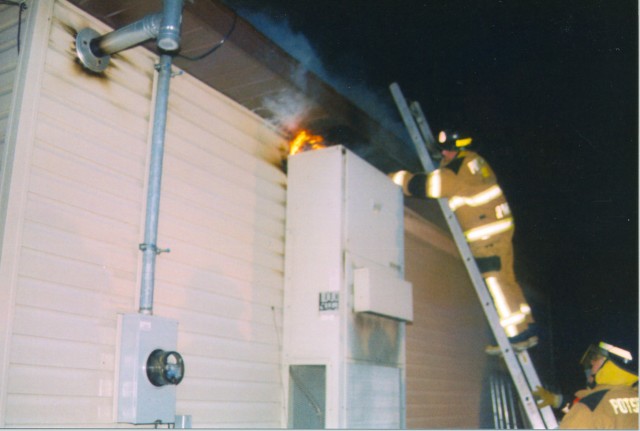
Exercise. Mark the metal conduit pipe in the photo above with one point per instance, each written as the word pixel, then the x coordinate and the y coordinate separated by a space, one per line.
pixel 93 51
pixel 170 33
pixel 149 247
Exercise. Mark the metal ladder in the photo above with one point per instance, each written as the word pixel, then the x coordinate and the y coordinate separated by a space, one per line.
pixel 519 364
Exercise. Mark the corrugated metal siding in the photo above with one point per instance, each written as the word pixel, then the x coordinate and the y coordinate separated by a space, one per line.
pixel 222 215
pixel 445 342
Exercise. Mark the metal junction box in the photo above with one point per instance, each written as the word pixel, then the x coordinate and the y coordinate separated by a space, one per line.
pixel 346 300
pixel 139 401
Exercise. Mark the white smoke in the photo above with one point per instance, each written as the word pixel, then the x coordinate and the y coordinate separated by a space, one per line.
pixel 289 107
pixel 295 44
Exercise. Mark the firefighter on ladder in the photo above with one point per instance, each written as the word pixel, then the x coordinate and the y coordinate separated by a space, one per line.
pixel 467 180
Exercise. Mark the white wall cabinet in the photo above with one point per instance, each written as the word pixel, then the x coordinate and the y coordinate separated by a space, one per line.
pixel 344 222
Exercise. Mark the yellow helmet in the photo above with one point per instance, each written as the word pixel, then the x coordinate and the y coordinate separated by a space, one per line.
pixel 619 368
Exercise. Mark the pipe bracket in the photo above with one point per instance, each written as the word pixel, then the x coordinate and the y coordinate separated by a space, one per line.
pixel 178 72
pixel 156 250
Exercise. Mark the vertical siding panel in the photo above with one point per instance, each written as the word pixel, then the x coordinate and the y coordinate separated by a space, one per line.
pixel 22 74
pixel 445 348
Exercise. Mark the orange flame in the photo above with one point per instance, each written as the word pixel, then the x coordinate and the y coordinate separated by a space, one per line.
pixel 305 141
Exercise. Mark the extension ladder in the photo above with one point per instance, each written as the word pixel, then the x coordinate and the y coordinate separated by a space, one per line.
pixel 519 364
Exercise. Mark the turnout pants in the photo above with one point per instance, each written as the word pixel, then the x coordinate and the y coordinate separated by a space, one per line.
pixel 494 257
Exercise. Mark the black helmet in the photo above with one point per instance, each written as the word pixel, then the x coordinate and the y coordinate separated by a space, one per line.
pixel 453 140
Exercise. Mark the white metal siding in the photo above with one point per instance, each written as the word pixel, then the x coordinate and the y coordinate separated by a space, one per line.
pixel 445 342
pixel 222 215
pixel 8 62
pixel 9 17
pixel 78 260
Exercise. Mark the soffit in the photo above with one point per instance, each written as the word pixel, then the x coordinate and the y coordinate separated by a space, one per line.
pixel 254 71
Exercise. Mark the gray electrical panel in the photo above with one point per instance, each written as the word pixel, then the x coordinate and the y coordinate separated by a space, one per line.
pixel 142 400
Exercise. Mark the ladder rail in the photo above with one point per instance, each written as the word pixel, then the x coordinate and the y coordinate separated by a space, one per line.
pixel 515 363
pixel 534 381
pixel 427 136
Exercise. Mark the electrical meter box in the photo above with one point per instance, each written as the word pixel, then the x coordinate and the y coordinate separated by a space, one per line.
pixel 346 301
pixel 148 369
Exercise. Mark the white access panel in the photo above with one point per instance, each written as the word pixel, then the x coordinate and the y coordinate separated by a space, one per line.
pixel 373 215
pixel 344 217
pixel 376 291
pixel 374 396
pixel 313 256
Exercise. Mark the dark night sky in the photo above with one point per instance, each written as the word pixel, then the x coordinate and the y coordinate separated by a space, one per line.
pixel 549 89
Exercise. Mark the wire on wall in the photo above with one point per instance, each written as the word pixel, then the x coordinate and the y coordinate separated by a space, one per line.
pixel 216 46
pixel 22 7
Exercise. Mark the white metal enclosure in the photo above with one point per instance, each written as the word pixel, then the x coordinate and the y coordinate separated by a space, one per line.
pixel 344 217
pixel 70 260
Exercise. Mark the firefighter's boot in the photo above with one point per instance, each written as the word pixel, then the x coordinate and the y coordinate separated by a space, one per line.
pixel 519 343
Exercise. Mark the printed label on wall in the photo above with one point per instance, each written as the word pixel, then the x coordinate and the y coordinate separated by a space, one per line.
pixel 329 301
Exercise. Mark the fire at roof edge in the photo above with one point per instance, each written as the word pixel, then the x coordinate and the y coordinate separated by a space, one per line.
pixel 251 69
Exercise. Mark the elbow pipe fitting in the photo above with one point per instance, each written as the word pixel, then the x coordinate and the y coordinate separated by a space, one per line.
pixel 94 51
pixel 169 33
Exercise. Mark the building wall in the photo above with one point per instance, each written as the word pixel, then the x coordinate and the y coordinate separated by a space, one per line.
pixel 9 43
pixel 446 340
pixel 74 216
pixel 76 213
pixel 8 62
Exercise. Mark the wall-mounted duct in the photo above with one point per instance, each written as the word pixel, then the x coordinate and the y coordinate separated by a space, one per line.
pixel 94 50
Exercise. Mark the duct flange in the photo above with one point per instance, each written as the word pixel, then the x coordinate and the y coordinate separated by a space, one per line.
pixel 86 53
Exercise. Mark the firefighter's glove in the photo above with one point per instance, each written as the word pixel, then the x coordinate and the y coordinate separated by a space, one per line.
pixel 546 398
pixel 399 177
pixel 402 179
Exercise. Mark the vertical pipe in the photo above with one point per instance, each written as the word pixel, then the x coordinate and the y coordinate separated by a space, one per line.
pixel 512 407
pixel 500 404
pixel 149 247
pixel 169 33
pixel 494 402
pixel 168 40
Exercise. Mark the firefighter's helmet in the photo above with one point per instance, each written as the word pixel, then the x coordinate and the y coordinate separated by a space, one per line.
pixel 620 366
pixel 453 140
